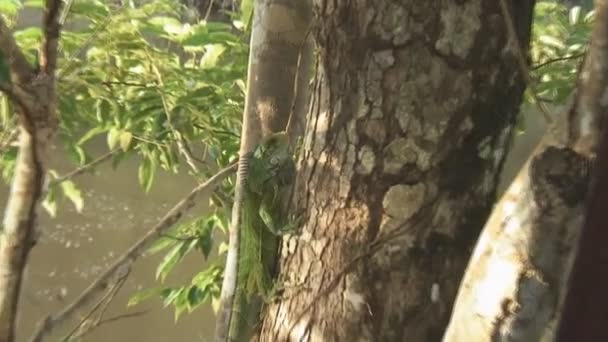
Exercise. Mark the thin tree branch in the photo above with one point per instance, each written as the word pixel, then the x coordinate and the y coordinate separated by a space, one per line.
pixel 176 134
pixel 127 315
pixel 129 84
pixel 559 59
pixel 50 43
pixel 133 253
pixel 83 168
pixel 66 69
pixel 521 59
pixel 21 71
pixel 82 328
pixel 112 319
pixel 208 12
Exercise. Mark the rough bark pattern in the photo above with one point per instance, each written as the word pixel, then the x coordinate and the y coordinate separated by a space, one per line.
pixel 411 114
pixel 38 124
pixel 33 93
pixel 513 287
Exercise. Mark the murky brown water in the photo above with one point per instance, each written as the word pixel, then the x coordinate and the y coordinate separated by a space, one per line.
pixel 75 247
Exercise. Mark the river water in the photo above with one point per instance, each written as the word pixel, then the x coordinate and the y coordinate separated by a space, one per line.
pixel 76 247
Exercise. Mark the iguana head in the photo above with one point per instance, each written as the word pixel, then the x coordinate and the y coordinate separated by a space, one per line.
pixel 275 155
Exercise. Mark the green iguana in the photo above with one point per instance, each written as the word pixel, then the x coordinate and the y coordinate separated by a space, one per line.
pixel 271 171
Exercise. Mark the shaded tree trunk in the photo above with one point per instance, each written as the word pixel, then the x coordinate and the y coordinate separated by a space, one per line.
pixel 514 286
pixel 32 91
pixel 585 310
pixel 275 72
pixel 412 111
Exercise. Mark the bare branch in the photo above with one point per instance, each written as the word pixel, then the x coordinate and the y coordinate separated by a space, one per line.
pixel 133 253
pixel 556 60
pixel 82 327
pixel 52 28
pixel 21 71
pixel 113 319
pixel 83 168
pixel 521 59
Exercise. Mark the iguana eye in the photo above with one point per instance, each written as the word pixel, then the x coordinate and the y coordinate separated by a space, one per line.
pixel 274 160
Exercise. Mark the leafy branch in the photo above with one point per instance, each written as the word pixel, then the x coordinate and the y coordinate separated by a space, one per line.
pixel 124 262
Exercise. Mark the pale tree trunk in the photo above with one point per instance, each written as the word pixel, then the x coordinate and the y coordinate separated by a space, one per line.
pixel 514 285
pixel 412 111
pixel 33 94
pixel 278 63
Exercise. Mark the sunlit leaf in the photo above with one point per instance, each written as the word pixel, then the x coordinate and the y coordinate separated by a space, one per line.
pixel 73 193
pixel 142 295
pixel 146 174
pixel 575 14
pixel 125 140
pixel 91 133
pixel 10 7
pixel 113 137
pixel 50 201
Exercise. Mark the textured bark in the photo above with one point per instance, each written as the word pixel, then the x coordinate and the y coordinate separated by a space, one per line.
pixel 514 286
pixel 413 108
pixel 33 93
pixel 279 29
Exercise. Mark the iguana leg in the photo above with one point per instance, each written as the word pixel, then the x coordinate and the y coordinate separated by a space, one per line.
pixel 291 226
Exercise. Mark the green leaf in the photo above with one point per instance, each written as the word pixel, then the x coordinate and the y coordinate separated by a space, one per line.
pixel 73 193
pixel 91 133
pixel 31 33
pixel 223 248
pixel 90 9
pixel 50 201
pixel 574 15
pixel 10 7
pixel 212 55
pixel 113 137
pixel 34 3
pixel 146 174
pixel 205 235
pixel 551 41
pixel 142 295
pixel 195 297
pixel 172 295
pixel 125 140
pixel 246 10
pixel 173 257
pixel 160 244
pixel 77 153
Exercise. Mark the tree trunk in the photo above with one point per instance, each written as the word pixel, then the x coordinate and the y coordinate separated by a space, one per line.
pixel 33 93
pixel 514 286
pixel 585 309
pixel 275 68
pixel 413 109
